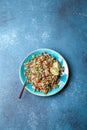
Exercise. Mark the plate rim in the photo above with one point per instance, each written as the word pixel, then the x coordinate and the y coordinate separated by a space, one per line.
pixel 31 53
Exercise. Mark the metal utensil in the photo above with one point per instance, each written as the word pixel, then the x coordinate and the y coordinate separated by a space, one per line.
pixel 22 90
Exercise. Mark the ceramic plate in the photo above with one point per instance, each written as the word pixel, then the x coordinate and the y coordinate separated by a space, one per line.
pixel 63 78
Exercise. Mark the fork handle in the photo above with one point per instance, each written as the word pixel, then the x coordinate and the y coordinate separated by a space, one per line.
pixel 22 90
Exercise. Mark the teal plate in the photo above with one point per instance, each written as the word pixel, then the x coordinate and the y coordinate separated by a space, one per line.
pixel 63 78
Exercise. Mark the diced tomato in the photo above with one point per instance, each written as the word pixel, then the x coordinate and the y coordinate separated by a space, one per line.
pixel 46 73
pixel 37 80
pixel 31 65
pixel 46 55
pixel 25 73
pixel 39 84
pixel 28 63
pixel 49 60
pixel 45 90
pixel 51 65
pixel 33 73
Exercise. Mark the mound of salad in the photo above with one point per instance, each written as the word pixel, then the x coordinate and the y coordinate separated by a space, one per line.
pixel 43 72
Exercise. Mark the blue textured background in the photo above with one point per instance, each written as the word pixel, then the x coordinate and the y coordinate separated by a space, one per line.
pixel 26 25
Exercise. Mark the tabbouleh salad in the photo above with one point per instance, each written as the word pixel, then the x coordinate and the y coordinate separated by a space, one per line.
pixel 43 72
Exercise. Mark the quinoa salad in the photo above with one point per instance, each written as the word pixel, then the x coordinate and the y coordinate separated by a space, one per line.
pixel 43 72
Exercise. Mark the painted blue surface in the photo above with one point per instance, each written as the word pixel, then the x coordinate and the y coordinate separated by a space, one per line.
pixel 26 25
